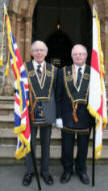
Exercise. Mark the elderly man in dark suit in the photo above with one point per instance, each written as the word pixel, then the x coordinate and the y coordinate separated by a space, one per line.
pixel 42 83
pixel 73 116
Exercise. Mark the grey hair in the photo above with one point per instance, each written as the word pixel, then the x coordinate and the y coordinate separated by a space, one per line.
pixel 36 42
pixel 81 46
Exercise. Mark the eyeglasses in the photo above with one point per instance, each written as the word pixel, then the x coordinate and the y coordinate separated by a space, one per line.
pixel 39 50
pixel 79 54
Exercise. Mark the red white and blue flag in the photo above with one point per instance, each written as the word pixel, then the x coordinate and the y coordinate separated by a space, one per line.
pixel 21 101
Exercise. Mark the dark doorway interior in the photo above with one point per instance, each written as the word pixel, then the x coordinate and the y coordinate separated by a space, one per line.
pixel 74 18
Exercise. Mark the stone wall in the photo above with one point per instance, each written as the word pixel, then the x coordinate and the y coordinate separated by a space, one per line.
pixel 3 79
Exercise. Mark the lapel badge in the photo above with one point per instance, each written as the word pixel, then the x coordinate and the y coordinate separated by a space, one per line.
pixel 69 72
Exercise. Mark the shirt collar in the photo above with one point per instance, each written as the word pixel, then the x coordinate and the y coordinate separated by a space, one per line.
pixel 35 64
pixel 77 67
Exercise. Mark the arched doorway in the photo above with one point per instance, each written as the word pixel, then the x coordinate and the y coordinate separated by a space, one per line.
pixel 59 45
pixel 75 26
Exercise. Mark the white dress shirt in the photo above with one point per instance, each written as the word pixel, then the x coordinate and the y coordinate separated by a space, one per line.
pixel 35 64
pixel 82 69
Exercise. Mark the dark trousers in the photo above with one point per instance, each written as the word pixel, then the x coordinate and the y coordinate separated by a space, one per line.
pixel 68 141
pixel 45 135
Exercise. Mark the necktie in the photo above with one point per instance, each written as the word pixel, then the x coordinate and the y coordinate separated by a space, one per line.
pixel 39 71
pixel 79 77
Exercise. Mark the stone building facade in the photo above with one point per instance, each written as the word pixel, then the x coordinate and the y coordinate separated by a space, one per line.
pixel 21 13
pixel 2 77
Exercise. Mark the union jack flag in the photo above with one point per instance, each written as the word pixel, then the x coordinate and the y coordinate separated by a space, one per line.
pixel 21 100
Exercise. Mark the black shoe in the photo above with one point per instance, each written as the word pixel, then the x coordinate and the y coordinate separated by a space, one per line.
pixel 65 177
pixel 27 179
pixel 84 178
pixel 47 179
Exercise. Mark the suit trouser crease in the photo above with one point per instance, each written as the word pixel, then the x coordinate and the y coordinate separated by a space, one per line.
pixel 45 135
pixel 67 151
pixel 82 151
pixel 68 142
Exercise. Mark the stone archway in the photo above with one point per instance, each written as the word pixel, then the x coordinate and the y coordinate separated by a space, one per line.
pixel 21 20
pixel 21 13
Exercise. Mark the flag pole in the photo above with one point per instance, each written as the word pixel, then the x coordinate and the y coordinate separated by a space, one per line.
pixel 93 159
pixel 35 167
pixel 93 149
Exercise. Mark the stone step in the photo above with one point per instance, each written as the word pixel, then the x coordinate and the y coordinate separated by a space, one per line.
pixel 6 110
pixel 8 133
pixel 8 151
pixel 6 99
pixel 7 106
pixel 7 137
pixel 7 102
pixel 6 113
pixel 7 118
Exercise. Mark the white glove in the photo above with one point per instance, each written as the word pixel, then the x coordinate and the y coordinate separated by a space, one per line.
pixel 59 123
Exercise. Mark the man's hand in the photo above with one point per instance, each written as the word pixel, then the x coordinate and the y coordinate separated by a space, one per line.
pixel 59 123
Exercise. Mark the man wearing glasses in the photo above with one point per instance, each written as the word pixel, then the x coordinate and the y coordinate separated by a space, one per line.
pixel 73 116
pixel 42 82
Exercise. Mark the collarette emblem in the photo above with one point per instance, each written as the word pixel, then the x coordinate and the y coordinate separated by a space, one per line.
pixel 69 72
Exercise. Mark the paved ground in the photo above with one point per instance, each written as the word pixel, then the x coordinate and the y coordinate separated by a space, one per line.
pixel 11 180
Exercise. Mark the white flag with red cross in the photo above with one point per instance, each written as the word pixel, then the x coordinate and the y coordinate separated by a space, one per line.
pixel 97 93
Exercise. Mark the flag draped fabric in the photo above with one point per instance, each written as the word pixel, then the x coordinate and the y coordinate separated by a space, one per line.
pixel 21 100
pixel 97 94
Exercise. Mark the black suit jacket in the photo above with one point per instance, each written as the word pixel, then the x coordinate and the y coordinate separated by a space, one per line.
pixel 64 108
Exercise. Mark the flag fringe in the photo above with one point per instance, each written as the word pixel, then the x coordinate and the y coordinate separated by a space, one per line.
pixel 98 151
pixel 19 129
pixel 93 112
pixel 105 120
pixel 96 115
pixel 1 60
pixel 24 149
